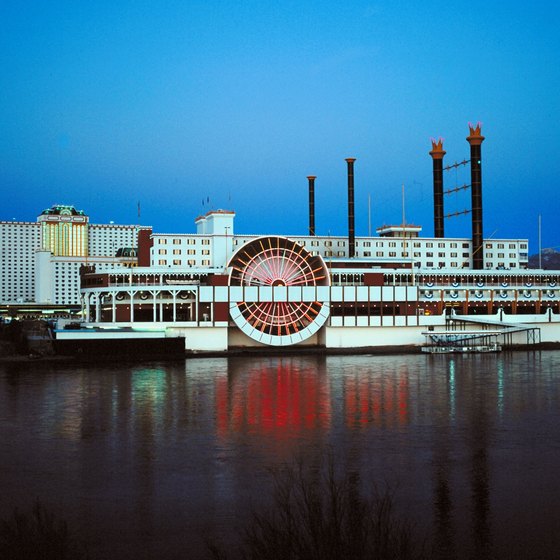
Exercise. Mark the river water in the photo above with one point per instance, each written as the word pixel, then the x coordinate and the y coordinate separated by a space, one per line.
pixel 148 461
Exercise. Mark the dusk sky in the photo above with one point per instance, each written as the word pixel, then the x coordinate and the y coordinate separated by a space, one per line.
pixel 172 103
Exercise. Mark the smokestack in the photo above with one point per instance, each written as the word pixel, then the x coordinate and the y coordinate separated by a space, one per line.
pixel 437 154
pixel 475 140
pixel 351 231
pixel 311 179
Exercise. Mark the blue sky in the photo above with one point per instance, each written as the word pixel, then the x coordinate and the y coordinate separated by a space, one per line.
pixel 169 103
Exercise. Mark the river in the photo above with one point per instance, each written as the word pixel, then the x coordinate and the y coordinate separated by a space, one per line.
pixel 147 461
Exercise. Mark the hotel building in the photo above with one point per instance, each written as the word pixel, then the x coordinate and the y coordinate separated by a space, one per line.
pixel 215 241
pixel 40 261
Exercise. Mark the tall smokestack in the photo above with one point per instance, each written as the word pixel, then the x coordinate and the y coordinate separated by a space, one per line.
pixel 437 154
pixel 351 231
pixel 311 179
pixel 475 140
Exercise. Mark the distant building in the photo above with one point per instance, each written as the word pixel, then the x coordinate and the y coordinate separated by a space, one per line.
pixel 64 231
pixel 18 243
pixel 40 261
pixel 215 241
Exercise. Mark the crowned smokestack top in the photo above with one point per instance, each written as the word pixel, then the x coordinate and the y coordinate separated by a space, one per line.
pixel 311 179
pixel 351 231
pixel 475 140
pixel 437 154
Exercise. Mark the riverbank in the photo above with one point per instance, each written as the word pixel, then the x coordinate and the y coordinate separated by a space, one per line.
pixel 95 356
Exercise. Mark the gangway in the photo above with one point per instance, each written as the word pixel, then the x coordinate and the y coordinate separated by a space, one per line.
pixel 506 329
pixel 443 342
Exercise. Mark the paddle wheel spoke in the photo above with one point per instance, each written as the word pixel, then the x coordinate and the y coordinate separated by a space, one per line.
pixel 278 262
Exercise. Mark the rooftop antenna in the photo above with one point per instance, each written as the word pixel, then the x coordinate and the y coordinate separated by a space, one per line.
pixel 403 216
pixel 540 244
pixel 369 214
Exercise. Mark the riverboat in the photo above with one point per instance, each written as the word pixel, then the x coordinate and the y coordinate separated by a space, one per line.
pixel 275 293
pixel 223 292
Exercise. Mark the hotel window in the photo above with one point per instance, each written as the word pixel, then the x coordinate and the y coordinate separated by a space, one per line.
pixel 417 244
pixel 206 241
pixel 176 261
pixel 379 243
pixel 441 245
pixel 500 255
pixel 466 255
pixel 328 243
pixel 314 244
pixel 405 254
pixel 162 252
pixel 429 244
pixel 191 262
pixel 500 245
pixel 523 246
pixel 453 265
pixel 430 264
pixel 379 254
pixel 488 255
pixel 162 261
pixel 392 253
pixel 367 253
pixel 441 264
pixel 454 255
pixel 328 253
pixel 453 245
pixel 417 254
pixel 512 255
pixel 176 251
pixel 205 251
pixel 489 245
pixel 176 242
pixel 191 241
pixel 392 243
pixel 367 244
pixel 341 253
pixel 429 254
pixel 205 262
pixel 512 245
pixel 163 241
pixel 191 252
pixel 341 244
pixel 440 254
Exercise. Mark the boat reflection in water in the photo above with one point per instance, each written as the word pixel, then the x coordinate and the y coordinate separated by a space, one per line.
pixel 148 460
pixel 282 399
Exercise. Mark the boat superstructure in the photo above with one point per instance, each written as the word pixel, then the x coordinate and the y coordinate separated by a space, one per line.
pixel 222 291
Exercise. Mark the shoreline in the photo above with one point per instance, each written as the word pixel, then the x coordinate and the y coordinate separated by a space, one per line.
pixel 250 352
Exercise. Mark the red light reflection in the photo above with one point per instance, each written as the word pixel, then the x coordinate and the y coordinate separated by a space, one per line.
pixel 280 398
pixel 380 400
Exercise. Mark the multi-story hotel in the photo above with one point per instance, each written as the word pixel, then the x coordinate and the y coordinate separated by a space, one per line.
pixel 215 241
pixel 40 261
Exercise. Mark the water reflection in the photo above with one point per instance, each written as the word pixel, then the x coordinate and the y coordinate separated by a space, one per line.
pixel 376 398
pixel 281 398
pixel 178 449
